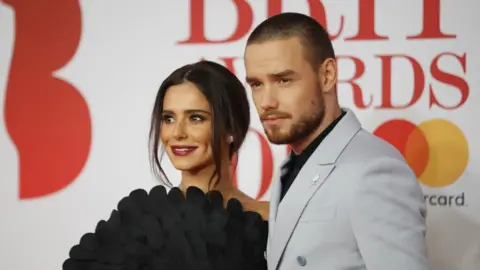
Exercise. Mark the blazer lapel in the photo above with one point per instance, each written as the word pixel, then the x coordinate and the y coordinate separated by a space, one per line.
pixel 274 201
pixel 292 206
pixel 275 195
pixel 310 178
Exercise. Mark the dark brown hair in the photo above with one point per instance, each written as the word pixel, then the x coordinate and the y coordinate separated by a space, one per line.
pixel 315 39
pixel 228 102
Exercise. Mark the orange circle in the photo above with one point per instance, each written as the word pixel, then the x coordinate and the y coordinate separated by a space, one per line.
pixel 436 150
pixel 409 140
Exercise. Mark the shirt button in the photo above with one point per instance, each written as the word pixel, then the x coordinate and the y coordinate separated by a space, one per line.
pixel 301 260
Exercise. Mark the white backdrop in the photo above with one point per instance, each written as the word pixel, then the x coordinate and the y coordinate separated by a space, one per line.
pixel 78 80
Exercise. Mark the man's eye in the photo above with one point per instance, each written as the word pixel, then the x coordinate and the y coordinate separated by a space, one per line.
pixel 255 85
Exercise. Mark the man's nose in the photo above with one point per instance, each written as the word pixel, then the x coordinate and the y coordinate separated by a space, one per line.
pixel 269 100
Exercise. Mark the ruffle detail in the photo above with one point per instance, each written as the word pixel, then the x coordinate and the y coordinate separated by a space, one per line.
pixel 170 231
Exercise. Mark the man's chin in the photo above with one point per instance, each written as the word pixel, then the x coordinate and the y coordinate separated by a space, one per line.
pixel 277 139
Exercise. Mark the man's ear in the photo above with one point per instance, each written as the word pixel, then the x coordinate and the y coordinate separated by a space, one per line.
pixel 328 75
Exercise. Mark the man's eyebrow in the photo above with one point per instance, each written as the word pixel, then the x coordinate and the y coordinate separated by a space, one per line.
pixel 250 79
pixel 283 73
pixel 280 74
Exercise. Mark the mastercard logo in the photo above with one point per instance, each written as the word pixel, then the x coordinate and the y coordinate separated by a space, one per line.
pixel 436 150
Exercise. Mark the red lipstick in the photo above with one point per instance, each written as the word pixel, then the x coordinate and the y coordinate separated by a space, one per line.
pixel 182 150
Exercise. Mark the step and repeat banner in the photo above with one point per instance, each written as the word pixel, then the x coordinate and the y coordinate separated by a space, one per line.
pixel 78 80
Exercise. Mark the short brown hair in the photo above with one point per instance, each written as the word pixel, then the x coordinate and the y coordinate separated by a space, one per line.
pixel 313 36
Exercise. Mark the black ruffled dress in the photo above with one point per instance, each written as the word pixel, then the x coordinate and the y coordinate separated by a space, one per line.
pixel 160 231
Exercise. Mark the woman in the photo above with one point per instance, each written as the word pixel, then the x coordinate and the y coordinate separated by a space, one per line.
pixel 201 117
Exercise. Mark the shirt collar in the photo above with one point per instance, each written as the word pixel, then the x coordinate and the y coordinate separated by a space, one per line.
pixel 305 155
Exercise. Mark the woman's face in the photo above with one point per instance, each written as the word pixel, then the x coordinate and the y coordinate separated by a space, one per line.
pixel 186 128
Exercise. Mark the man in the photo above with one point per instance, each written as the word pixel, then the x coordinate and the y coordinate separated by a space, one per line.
pixel 345 198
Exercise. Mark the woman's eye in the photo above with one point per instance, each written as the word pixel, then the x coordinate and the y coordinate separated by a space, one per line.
pixel 196 118
pixel 167 119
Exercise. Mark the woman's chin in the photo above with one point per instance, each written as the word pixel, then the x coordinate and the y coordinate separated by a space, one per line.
pixel 187 166
pixel 183 167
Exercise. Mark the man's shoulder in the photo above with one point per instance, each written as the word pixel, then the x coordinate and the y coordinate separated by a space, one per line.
pixel 368 155
pixel 366 147
pixel 369 162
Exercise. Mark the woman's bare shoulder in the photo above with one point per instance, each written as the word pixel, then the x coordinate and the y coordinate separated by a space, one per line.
pixel 263 209
pixel 250 204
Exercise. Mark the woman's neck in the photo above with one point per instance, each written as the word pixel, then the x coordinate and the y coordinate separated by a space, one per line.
pixel 201 179
pixel 225 186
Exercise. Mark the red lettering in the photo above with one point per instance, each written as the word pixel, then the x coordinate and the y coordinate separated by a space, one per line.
pixel 245 20
pixel 233 169
pixel 266 165
pixel 357 90
pixel 449 79
pixel 431 22
pixel 317 11
pixel 366 22
pixel 228 62
pixel 418 86
pixel 197 23
pixel 47 118
pixel 386 66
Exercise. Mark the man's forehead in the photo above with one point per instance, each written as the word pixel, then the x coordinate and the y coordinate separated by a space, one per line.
pixel 273 48
pixel 280 66
pixel 272 52
pixel 280 41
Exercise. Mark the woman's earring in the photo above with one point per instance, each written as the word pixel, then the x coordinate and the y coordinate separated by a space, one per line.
pixel 230 139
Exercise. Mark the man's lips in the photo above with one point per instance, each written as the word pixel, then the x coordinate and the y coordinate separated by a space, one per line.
pixel 273 120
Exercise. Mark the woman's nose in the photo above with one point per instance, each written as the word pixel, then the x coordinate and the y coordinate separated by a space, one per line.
pixel 179 131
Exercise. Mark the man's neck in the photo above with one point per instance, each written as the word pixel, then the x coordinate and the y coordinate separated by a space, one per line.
pixel 300 145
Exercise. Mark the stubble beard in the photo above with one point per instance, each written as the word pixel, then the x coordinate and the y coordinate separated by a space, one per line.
pixel 301 129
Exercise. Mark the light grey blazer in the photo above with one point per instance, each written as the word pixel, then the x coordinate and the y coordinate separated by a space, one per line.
pixel 355 205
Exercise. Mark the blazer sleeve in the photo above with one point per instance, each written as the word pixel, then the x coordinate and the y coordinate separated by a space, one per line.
pixel 388 217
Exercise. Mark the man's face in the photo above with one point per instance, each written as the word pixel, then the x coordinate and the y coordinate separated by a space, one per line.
pixel 286 89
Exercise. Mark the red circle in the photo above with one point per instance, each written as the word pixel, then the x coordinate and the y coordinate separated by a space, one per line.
pixel 409 140
pixel 266 165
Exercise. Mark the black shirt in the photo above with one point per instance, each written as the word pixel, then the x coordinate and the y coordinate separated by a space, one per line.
pixel 296 162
